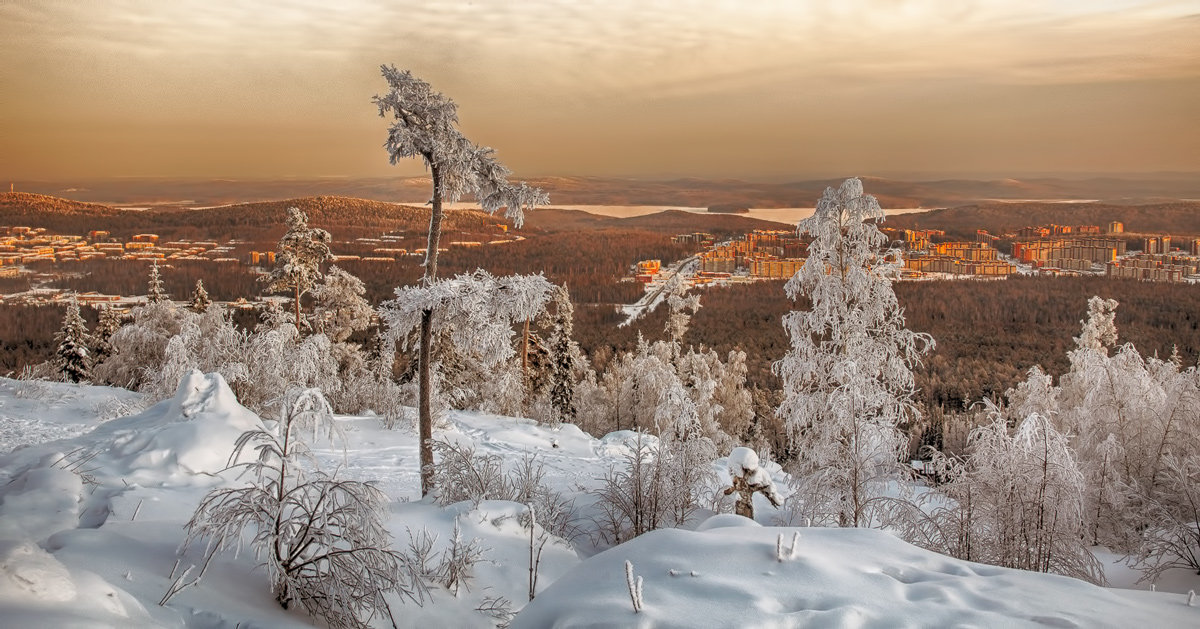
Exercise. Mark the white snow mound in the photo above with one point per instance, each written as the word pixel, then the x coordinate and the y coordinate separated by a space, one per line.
pixel 28 572
pixel 732 577
pixel 192 433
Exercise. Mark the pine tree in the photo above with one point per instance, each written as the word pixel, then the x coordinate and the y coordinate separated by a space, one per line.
pixel 298 261
pixel 200 300
pixel 425 125
pixel 340 309
pixel 154 287
pixel 74 360
pixel 847 379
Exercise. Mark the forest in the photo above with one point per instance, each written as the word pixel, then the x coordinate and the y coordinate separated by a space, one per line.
pixel 1011 392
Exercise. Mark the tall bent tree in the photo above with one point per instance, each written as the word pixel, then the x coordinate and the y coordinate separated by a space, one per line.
pixel 425 125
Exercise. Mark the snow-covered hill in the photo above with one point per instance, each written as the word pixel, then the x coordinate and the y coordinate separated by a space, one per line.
pixel 92 508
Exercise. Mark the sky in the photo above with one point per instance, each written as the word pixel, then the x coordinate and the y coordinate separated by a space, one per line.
pixel 762 90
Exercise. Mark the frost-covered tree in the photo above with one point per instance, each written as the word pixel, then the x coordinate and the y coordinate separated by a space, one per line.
pixel 139 347
pixel 340 309
pixel 733 398
pixel 72 354
pixel 700 373
pixel 1133 419
pixel 200 300
pixel 302 250
pixel 154 286
pixel 425 125
pixel 685 454
pixel 847 378
pixel 564 357
pixel 476 312
pixel 322 540
pixel 681 308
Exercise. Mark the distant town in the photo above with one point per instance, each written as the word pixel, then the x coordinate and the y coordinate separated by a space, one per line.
pixel 1070 250
pixel 23 245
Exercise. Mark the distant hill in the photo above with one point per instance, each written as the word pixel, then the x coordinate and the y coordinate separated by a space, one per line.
pixel 14 205
pixel 346 217
pixel 892 193
pixel 349 217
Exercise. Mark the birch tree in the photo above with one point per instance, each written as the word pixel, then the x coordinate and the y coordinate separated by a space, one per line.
pixel 847 379
pixel 425 125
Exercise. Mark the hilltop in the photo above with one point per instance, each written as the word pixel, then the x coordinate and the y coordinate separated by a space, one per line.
pixel 344 216
pixel 248 221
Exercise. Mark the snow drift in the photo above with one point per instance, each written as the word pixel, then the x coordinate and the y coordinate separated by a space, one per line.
pixel 731 576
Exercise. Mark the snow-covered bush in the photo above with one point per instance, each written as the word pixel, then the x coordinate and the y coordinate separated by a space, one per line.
pixel 322 540
pixel 1017 500
pixel 460 473
pixel 659 485
pixel 1173 540
pixel 139 348
pixel 452 568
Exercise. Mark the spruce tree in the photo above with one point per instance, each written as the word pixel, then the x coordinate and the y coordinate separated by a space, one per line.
pixel 110 321
pixel 74 359
pixel 200 300
pixel 563 351
pixel 154 287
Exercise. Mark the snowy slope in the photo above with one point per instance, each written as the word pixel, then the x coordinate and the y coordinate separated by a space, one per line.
pixel 92 510
pixel 729 576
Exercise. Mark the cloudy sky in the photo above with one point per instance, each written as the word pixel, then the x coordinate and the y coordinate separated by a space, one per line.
pixel 756 89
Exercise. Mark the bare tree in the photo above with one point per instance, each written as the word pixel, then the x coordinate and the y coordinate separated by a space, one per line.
pixel 425 125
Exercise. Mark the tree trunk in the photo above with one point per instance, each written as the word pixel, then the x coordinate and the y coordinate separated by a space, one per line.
pixel 297 307
pixel 424 409
pixel 525 352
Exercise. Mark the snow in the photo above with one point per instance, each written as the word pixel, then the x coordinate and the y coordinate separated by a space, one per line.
pixel 730 576
pixel 742 461
pixel 92 510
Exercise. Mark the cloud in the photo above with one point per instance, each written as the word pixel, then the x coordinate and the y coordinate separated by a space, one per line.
pixel 590 73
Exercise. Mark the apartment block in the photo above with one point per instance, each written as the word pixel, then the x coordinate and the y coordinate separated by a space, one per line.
pixel 1039 252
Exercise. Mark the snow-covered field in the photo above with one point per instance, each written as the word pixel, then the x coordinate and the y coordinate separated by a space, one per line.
pixel 95 493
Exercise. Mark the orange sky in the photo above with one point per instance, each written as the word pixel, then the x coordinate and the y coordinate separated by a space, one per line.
pixel 762 89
